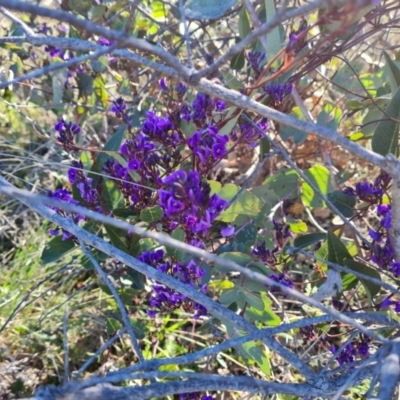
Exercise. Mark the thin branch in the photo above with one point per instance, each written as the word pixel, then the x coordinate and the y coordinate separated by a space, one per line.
pixel 316 189
pixel 245 103
pixel 186 35
pixel 105 346
pixel 29 31
pixel 122 309
pixel 87 25
pixel 54 67
pixel 390 372
pixel 30 200
pixel 257 33
pixel 65 345
pixel 392 289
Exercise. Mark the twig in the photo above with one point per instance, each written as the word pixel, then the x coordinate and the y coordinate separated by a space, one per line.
pixel 316 189
pixel 124 314
pixel 56 66
pixel 390 372
pixel 186 35
pixel 29 31
pixel 105 346
pixel 100 244
pixel 87 25
pixel 65 345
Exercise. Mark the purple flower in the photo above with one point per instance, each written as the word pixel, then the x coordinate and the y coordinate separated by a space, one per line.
pixel 118 107
pixel 307 333
pixel 105 42
pixel 54 51
pixel 227 231
pixel 396 268
pixel 277 92
pixel 282 279
pixel 66 132
pixel 376 236
pixel 220 105
pixel 163 85
pixel 256 60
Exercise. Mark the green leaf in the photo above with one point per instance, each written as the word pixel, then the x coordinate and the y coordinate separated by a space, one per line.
pixel 55 249
pixel 320 177
pixel 178 234
pixel 231 81
pixel 386 135
pixel 253 352
pixel 113 325
pixel 266 316
pixel 248 233
pixel 207 9
pixel 393 72
pixel 118 237
pixel 298 227
pixel 371 287
pixel 307 240
pixel 110 191
pixel 342 202
pixel 247 203
pixel 330 117
pixel 273 37
pixel 229 296
pixel 151 214
pixel 124 213
pixel 239 258
pixel 85 84
pixel 337 251
pixel 253 299
pixel 228 127
pixel 298 135
pixel 285 183
pixel 244 24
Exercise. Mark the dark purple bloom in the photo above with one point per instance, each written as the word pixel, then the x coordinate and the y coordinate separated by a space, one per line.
pixel 220 105
pixel 228 231
pixel 282 279
pixel 66 132
pixel 376 236
pixel 106 42
pixel 119 107
pixel 396 268
pixel 163 85
pixel 54 51
pixel 256 60
pixel 277 92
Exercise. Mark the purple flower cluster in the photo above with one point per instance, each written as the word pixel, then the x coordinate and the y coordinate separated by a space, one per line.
pixel 105 42
pixel 388 302
pixel 67 132
pixel 250 134
pixel 89 195
pixel 265 255
pixel 256 60
pixel 360 347
pixel 282 279
pixel 208 146
pixel 165 299
pixel 277 92
pixel 119 107
pixel 54 51
pixel 297 39
pixel 307 333
pixel 186 199
pixel 65 196
pixel 162 130
pixel 372 194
